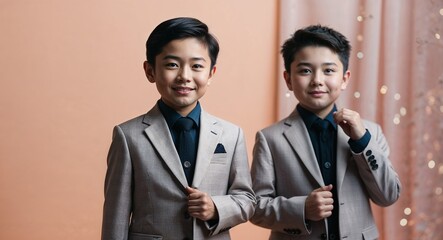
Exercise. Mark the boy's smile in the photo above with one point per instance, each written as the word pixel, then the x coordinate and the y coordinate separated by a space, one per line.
pixel 317 79
pixel 181 73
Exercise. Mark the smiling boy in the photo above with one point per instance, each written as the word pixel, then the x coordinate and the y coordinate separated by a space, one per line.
pixel 315 172
pixel 177 172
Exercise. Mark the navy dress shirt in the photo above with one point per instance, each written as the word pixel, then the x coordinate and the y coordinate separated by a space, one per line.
pixel 171 116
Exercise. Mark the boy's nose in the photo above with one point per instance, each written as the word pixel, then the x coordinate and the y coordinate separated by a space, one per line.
pixel 317 79
pixel 184 74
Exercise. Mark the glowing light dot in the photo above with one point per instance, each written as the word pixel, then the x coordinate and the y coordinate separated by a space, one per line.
pixel 288 95
pixel 431 100
pixel 360 38
pixel 431 164
pixel 425 137
pixel 403 222
pixel 437 35
pixel 360 55
pixel 403 111
pixel 441 108
pixel 396 120
pixel 441 11
pixel 438 191
pixel 383 89
pixel 357 94
pixel 407 211
pixel 360 18
pixel 397 96
pixel 440 170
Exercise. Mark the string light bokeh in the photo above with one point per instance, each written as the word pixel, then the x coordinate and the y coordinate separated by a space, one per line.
pixel 422 213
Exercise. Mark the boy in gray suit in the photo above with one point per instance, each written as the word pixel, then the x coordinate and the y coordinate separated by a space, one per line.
pixel 315 172
pixel 177 172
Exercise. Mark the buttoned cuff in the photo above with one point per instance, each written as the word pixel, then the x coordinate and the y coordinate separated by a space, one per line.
pixel 357 146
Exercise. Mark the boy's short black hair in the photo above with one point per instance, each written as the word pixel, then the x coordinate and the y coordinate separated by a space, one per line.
pixel 180 28
pixel 316 35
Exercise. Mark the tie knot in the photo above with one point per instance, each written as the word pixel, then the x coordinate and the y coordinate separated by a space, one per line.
pixel 321 125
pixel 184 124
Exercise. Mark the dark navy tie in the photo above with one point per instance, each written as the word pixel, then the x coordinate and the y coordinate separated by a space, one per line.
pixel 186 146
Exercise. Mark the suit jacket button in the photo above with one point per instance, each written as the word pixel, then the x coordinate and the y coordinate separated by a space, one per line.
pixel 371 157
pixel 323 236
pixel 375 167
pixel 187 216
pixel 327 165
pixel 368 153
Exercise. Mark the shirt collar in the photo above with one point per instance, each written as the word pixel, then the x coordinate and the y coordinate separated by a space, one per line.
pixel 309 118
pixel 171 115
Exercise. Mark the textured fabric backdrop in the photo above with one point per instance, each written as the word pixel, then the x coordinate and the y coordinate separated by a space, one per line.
pixel 396 80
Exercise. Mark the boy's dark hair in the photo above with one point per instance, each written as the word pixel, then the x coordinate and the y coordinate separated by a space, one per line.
pixel 180 28
pixel 316 35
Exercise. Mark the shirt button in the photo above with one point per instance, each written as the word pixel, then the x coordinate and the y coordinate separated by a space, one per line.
pixel 187 164
pixel 327 165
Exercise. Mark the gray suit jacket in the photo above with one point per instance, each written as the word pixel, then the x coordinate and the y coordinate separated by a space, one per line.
pixel 285 171
pixel 145 195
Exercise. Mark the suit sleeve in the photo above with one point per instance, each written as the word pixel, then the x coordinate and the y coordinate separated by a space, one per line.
pixel 376 170
pixel 273 212
pixel 118 189
pixel 237 206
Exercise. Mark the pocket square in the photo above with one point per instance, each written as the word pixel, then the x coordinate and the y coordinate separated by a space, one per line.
pixel 220 148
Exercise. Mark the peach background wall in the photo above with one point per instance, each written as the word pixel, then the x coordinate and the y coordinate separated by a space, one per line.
pixel 71 70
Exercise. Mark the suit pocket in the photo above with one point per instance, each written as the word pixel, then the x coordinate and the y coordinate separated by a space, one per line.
pixel 141 236
pixel 219 158
pixel 370 233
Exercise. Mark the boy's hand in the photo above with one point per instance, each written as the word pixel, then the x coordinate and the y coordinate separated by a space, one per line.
pixel 350 122
pixel 200 205
pixel 319 204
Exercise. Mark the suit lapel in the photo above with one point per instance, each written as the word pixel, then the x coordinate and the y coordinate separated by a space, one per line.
pixel 160 137
pixel 299 139
pixel 210 133
pixel 342 155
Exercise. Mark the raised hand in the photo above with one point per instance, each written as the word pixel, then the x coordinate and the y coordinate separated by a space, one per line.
pixel 350 122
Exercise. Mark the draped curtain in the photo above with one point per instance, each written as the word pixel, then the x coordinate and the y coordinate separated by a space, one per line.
pixel 396 80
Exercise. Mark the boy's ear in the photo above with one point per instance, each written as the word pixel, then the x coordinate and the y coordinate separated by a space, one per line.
pixel 211 74
pixel 345 82
pixel 149 71
pixel 287 77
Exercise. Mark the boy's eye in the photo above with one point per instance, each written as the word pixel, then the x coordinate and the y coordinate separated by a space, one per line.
pixel 198 66
pixel 329 71
pixel 171 65
pixel 304 71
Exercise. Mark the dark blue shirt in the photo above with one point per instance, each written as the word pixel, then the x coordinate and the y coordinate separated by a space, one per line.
pixel 171 116
pixel 323 142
